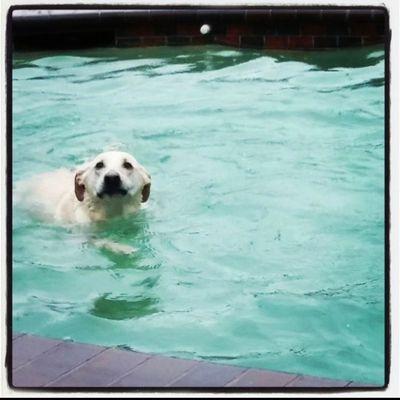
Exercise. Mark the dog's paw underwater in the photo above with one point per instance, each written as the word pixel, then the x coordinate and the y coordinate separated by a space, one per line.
pixel 114 247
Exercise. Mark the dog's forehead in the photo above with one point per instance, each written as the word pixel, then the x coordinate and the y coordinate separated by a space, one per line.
pixel 115 157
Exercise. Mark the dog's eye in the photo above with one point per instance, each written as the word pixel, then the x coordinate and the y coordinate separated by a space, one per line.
pixel 99 165
pixel 127 165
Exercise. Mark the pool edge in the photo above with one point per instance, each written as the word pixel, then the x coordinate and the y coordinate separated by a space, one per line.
pixel 35 364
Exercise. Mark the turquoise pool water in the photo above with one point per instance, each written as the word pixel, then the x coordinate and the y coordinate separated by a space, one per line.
pixel 263 241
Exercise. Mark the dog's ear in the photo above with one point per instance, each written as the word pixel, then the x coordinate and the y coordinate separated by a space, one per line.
pixel 146 186
pixel 79 186
pixel 146 192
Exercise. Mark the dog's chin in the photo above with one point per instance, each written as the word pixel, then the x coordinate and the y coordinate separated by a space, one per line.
pixel 111 193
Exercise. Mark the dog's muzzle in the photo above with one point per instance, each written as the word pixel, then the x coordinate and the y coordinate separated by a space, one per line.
pixel 112 185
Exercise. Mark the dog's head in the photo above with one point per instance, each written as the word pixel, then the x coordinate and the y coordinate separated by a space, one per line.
pixel 113 174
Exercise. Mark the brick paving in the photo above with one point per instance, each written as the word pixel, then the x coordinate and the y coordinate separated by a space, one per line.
pixel 39 362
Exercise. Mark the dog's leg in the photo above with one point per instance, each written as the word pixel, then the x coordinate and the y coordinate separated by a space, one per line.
pixel 113 246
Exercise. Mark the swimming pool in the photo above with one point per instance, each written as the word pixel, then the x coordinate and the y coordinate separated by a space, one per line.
pixel 263 241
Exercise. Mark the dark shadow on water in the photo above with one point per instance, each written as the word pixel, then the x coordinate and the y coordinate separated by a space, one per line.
pixel 336 58
pixel 141 301
pixel 204 58
pixel 124 307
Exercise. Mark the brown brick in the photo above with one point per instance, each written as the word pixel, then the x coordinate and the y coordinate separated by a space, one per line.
pixel 286 27
pixel 255 42
pixel 26 348
pixel 164 26
pixel 337 28
pixel 208 375
pixel 260 378
pixel 140 29
pixel 315 382
pixel 369 40
pixel 54 363
pixel 267 28
pixel 153 40
pixel 203 39
pixel 237 29
pixel 175 40
pixel 188 29
pixel 229 40
pixel 349 41
pixel 313 29
pixel 101 370
pixel 157 371
pixel 363 29
pixel 364 385
pixel 128 41
pixel 300 42
pixel 276 42
pixel 325 42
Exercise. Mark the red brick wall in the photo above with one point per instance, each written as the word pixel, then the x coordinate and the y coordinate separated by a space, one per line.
pixel 276 28
pixel 252 27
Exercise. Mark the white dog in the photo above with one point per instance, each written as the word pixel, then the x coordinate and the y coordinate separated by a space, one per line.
pixel 113 184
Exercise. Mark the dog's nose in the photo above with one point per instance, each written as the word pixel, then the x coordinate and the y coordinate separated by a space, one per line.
pixel 112 180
